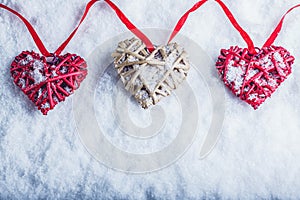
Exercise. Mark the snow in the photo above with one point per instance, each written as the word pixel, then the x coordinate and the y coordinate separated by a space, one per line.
pixel 257 156
pixel 38 69
pixel 235 75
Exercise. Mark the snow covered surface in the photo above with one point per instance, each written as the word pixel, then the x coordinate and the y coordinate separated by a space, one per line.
pixel 257 155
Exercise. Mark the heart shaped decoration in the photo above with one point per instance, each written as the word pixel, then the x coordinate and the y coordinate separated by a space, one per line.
pixel 254 77
pixel 150 76
pixel 48 80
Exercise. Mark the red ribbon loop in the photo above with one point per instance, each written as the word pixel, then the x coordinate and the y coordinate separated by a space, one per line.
pixel 182 20
pixel 277 30
pixel 33 33
pixel 233 21
pixel 130 26
pixel 63 45
pixel 37 39
pixel 141 35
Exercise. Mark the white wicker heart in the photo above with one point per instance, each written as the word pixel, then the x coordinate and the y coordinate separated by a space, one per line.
pixel 150 76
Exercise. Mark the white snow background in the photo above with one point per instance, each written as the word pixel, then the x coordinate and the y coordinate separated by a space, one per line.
pixel 257 156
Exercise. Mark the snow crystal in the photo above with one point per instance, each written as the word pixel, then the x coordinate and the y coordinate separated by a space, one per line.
pixel 134 47
pixel 68 89
pixel 38 65
pixel 170 61
pixel 29 58
pixel 152 75
pixel 64 70
pixel 279 60
pixel 22 83
pixel 23 62
pixel 40 92
pixel 55 99
pixel 272 82
pixel 127 78
pixel 251 73
pixel 38 69
pixel 38 76
pixel 132 59
pixel 252 97
pixel 45 106
pixel 143 94
pixel 242 62
pixel 278 57
pixel 167 49
pixel 235 74
pixel 54 73
pixel 266 62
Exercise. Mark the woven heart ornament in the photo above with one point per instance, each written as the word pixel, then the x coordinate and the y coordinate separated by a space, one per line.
pixel 253 74
pixel 254 77
pixel 150 72
pixel 49 78
pixel 150 76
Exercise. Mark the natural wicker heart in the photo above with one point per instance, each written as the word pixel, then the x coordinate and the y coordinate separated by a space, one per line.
pixel 48 80
pixel 150 76
pixel 253 78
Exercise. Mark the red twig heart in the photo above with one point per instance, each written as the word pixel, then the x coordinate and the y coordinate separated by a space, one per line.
pixel 48 80
pixel 254 77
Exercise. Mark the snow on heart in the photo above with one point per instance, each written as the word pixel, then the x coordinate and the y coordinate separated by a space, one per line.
pixel 48 80
pixel 150 76
pixel 254 77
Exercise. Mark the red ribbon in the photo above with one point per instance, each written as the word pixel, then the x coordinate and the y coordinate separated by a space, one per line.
pixel 33 33
pixel 130 26
pixel 233 21
pixel 245 36
pixel 277 30
pixel 141 35
pixel 63 45
pixel 182 20
pixel 37 39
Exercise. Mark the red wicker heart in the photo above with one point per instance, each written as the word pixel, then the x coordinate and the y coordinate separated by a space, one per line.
pixel 48 80
pixel 254 77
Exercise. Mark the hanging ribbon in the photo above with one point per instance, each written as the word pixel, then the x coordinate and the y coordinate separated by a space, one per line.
pixel 141 35
pixel 233 21
pixel 182 20
pixel 37 39
pixel 130 26
pixel 277 30
pixel 33 33
pixel 64 44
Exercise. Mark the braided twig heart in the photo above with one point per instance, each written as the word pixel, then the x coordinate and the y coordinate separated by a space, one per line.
pixel 254 77
pixel 48 80
pixel 150 76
